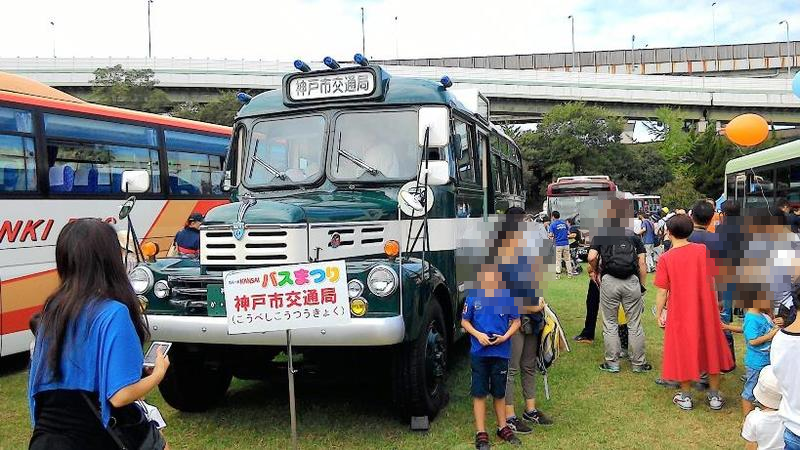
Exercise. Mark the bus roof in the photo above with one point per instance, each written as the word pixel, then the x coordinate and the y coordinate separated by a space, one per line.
pixel 765 157
pixel 400 91
pixel 583 178
pixel 24 91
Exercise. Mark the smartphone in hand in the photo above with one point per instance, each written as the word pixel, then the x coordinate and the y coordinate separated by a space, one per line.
pixel 150 356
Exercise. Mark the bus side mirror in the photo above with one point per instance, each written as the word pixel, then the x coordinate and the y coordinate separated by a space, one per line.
pixel 436 121
pixel 438 173
pixel 135 181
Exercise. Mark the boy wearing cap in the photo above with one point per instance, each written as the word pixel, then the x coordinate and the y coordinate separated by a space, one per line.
pixel 763 427
pixel 187 241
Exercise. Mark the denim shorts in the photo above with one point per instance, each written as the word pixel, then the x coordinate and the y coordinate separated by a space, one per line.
pixel 750 380
pixel 489 376
pixel 791 440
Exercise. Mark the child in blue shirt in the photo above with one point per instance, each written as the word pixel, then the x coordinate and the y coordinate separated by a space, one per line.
pixel 491 318
pixel 758 330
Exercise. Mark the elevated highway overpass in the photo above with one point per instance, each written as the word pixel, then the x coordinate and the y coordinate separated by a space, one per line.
pixel 515 95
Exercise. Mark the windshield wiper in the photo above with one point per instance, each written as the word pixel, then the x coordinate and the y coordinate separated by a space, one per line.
pixel 354 159
pixel 275 172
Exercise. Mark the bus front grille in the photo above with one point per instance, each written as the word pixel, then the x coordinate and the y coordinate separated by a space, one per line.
pixel 259 245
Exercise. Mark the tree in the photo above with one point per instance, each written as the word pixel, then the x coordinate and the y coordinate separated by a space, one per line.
pixel 221 111
pixel 679 193
pixel 513 131
pixel 675 138
pixel 576 139
pixel 132 88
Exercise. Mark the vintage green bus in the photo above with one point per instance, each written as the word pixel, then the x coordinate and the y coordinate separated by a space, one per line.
pixel 333 167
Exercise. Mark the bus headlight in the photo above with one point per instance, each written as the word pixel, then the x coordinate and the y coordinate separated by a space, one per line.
pixel 141 279
pixel 161 289
pixel 355 288
pixel 382 281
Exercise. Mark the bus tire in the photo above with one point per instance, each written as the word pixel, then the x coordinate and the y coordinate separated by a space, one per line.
pixel 192 385
pixel 419 387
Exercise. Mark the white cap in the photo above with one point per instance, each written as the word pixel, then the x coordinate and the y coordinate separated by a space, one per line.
pixel 767 390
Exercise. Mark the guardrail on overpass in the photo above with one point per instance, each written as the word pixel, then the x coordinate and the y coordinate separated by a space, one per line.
pixel 763 58
pixel 515 94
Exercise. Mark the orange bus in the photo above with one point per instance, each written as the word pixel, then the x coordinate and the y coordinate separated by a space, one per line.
pixel 62 158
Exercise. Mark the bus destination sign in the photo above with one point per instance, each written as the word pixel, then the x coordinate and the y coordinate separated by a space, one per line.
pixel 331 85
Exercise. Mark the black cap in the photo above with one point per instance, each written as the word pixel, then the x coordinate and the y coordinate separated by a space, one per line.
pixel 196 217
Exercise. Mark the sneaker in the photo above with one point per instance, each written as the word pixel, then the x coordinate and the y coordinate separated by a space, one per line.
pixel 623 354
pixel 537 417
pixel 507 434
pixel 605 367
pixel 583 339
pixel 667 383
pixel 684 402
pixel 646 367
pixel 715 402
pixel 482 441
pixel 518 426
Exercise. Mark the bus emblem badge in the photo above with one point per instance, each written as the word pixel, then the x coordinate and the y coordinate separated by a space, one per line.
pixel 336 240
pixel 238 230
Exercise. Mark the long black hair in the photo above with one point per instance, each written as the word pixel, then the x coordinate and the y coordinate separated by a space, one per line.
pixel 90 269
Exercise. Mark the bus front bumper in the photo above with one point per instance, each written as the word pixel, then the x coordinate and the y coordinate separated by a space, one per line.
pixel 214 330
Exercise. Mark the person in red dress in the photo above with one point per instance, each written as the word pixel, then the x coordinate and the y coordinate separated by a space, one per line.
pixel 693 340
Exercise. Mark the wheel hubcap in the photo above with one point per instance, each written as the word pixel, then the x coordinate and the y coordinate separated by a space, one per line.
pixel 435 359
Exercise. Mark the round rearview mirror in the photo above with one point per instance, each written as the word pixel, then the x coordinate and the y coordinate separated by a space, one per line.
pixel 126 207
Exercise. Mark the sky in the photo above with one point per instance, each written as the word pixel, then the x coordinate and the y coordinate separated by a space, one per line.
pixel 312 29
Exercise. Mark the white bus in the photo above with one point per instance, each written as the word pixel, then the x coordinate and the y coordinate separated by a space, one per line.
pixel 756 180
pixel 62 158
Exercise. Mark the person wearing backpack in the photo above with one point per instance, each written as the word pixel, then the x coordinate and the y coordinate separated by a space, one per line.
pixel 616 257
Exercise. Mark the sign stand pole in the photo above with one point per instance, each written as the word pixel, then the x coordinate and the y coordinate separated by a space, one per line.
pixel 292 411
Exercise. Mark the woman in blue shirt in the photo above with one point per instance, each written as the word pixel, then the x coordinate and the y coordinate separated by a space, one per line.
pixel 88 343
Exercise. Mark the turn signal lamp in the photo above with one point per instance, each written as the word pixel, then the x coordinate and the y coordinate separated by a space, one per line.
pixel 358 307
pixel 391 248
pixel 301 66
pixel 446 81
pixel 149 250
pixel 330 62
pixel 360 60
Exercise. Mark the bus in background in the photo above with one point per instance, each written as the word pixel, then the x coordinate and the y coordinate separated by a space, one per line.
pixel 568 193
pixel 648 204
pixel 62 158
pixel 756 180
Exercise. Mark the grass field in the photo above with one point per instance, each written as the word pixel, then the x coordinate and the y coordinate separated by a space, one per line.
pixel 591 409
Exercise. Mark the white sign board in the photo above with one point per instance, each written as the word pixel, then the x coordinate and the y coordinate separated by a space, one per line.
pixel 286 297
pixel 348 84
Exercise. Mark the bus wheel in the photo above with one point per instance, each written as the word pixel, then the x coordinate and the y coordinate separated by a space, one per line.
pixel 191 384
pixel 420 366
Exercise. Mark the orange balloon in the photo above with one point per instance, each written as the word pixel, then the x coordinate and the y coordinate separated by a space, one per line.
pixel 747 130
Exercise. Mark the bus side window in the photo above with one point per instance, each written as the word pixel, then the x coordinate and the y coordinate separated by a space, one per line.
pixel 88 156
pixel 463 150
pixel 17 151
pixel 194 163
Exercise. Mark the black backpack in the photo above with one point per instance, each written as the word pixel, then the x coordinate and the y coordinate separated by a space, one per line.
pixel 620 259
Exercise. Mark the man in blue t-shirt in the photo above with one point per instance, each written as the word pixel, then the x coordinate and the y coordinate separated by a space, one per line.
pixel 491 318
pixel 559 232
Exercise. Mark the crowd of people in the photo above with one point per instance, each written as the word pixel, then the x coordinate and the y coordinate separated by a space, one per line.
pixel 89 336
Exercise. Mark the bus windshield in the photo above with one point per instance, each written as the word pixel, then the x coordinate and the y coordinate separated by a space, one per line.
pixel 286 152
pixel 375 146
pixel 567 206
